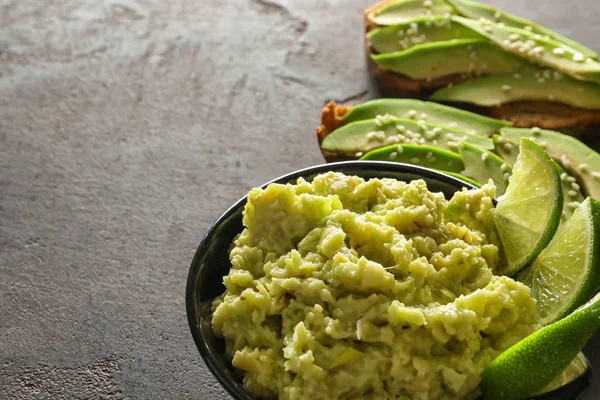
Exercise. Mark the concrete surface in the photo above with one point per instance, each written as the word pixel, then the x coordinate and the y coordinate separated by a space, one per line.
pixel 126 128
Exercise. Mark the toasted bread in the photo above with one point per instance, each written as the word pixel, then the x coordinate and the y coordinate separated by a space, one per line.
pixel 525 114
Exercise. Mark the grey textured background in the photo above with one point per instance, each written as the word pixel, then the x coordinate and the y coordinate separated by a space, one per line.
pixel 126 128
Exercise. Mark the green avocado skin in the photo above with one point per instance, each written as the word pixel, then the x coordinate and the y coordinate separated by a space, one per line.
pixel 524 370
pixel 424 156
pixel 436 114
pixel 569 152
pixel 453 57
pixel 476 10
pixel 529 84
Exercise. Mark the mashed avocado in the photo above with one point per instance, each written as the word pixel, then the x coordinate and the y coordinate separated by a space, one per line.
pixel 350 289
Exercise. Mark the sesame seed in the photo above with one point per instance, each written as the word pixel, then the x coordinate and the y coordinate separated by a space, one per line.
pixel 358 154
pixel 573 204
pixel 415 160
pixel 575 186
pixel 558 51
pixel 584 168
pixel 578 57
pixel 484 156
pixel 506 88
pixel 393 155
pixel 399 149
pixel 453 145
pixel 572 193
pixel 517 75
pixel 400 128
pixel 504 167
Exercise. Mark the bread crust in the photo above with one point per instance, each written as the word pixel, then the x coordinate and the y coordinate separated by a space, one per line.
pixel 332 117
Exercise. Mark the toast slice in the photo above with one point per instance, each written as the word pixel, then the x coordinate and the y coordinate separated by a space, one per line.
pixel 574 121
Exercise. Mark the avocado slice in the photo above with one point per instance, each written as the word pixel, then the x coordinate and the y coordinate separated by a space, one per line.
pixel 363 136
pixel 575 157
pixel 509 150
pixel 398 12
pixel 506 149
pixel 476 11
pixel 390 39
pixel 432 113
pixel 415 154
pixel 528 84
pixel 458 56
pixel 482 165
pixel 545 52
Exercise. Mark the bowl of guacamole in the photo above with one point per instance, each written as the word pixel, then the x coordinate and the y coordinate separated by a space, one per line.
pixel 357 280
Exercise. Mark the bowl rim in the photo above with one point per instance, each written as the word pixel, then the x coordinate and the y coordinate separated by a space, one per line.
pixel 233 388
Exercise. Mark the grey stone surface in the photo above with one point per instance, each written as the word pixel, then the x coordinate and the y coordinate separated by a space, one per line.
pixel 126 128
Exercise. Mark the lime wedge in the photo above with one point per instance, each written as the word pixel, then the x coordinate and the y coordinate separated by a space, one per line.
pixel 576 368
pixel 528 214
pixel 533 363
pixel 566 273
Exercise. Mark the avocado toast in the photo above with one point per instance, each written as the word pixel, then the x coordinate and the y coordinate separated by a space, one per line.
pixel 485 60
pixel 455 141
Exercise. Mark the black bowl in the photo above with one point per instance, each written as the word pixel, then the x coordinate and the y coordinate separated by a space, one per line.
pixel 211 264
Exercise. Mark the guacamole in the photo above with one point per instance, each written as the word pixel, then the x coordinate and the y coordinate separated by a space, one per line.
pixel 342 288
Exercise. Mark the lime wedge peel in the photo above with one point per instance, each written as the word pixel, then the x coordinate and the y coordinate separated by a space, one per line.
pixel 528 214
pixel 567 272
pixel 533 363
